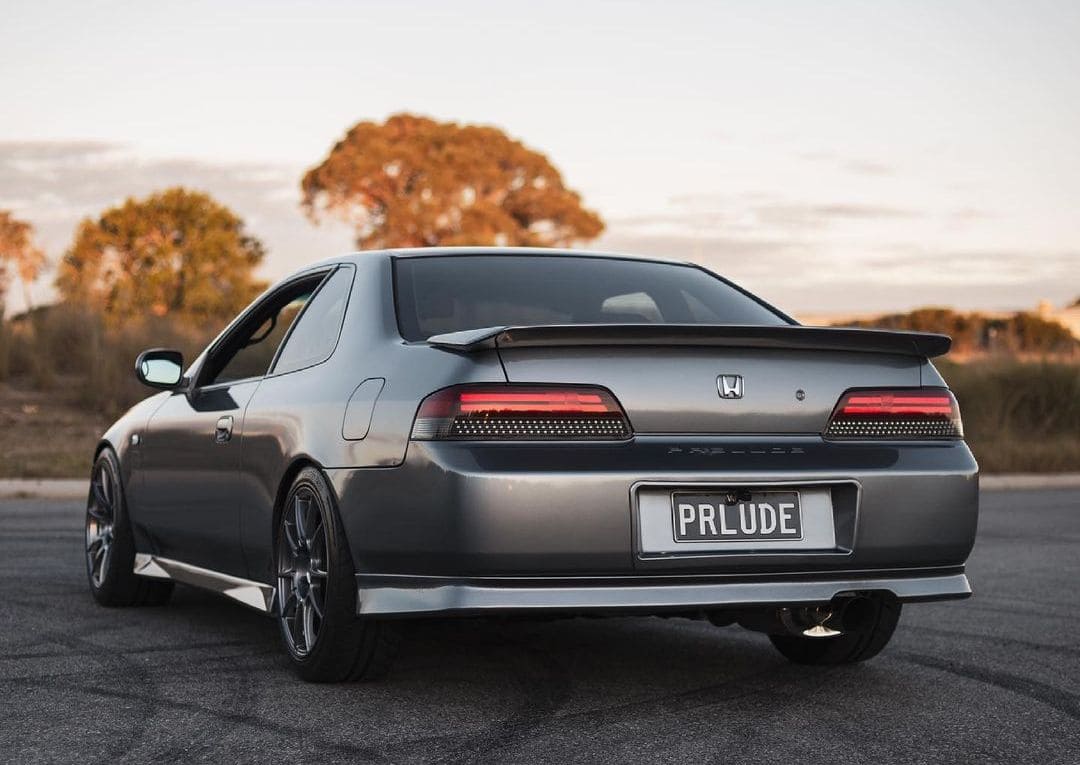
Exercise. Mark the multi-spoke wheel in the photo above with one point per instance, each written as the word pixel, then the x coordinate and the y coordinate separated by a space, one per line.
pixel 302 573
pixel 316 591
pixel 110 547
pixel 100 515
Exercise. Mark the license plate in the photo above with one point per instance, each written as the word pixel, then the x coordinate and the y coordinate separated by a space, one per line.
pixel 737 516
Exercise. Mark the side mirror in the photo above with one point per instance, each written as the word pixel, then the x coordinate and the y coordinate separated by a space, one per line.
pixel 160 368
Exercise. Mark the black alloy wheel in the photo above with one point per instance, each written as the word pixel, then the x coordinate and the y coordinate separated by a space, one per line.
pixel 315 596
pixel 110 545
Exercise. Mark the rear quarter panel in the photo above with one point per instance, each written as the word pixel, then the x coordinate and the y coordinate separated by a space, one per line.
pixel 297 418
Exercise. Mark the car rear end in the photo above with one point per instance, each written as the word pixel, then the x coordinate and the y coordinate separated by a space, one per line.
pixel 669 444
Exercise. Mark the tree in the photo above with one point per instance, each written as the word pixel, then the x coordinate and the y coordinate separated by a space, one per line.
pixel 412 182
pixel 17 249
pixel 176 252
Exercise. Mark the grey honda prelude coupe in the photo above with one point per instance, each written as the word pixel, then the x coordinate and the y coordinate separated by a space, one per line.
pixel 400 434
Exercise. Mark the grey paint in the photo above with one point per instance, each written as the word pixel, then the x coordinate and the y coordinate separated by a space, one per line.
pixel 360 408
pixel 189 500
pixel 674 390
pixel 413 599
pixel 556 511
pixel 459 509
pixel 255 595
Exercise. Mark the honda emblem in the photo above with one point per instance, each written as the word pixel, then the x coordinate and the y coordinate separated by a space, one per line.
pixel 730 386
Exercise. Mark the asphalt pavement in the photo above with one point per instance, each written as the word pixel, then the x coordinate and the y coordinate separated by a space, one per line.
pixel 992 679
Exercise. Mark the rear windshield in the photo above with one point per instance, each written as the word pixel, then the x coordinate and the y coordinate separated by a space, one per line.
pixel 451 293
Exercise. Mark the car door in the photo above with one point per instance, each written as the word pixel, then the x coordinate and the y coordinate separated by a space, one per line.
pixel 190 454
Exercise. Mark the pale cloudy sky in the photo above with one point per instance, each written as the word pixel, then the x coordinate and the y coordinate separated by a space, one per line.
pixel 833 156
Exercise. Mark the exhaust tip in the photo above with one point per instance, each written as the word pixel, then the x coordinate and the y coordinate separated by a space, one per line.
pixel 808 622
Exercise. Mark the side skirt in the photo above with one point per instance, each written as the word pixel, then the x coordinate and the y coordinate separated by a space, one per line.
pixel 252 594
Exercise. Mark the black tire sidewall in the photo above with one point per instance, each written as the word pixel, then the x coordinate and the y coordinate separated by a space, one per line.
pixel 338 630
pixel 118 583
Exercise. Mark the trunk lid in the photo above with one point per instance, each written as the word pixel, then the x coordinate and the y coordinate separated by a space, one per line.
pixel 686 378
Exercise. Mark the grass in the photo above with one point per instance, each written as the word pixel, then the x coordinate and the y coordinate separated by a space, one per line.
pixel 46 434
pixel 65 375
pixel 1019 417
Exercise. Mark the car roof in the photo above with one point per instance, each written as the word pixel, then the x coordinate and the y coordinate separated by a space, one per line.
pixel 427 252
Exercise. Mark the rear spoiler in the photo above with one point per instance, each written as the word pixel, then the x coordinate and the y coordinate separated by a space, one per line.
pixel 786 337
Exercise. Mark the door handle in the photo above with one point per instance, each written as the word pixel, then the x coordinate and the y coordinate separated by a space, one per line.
pixel 223 431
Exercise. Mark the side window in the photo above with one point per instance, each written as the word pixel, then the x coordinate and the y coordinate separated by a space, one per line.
pixel 248 351
pixel 315 335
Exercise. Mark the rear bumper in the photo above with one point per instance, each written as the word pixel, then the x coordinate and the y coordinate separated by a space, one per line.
pixel 467 511
pixel 416 596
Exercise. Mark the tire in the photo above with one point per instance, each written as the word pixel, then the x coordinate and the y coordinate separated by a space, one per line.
pixel 110 546
pixel 875 622
pixel 316 592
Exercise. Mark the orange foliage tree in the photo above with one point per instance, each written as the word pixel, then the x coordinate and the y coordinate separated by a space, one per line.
pixel 177 252
pixel 414 182
pixel 17 249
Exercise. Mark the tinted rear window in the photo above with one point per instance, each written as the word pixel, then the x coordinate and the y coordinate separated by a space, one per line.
pixel 451 293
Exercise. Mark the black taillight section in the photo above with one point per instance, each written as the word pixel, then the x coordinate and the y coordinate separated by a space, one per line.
pixel 897 413
pixel 521 413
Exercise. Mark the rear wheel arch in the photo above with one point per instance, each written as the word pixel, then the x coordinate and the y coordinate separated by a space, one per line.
pixel 285 484
pixel 102 445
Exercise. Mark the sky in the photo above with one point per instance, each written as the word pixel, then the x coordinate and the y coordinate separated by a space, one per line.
pixel 833 156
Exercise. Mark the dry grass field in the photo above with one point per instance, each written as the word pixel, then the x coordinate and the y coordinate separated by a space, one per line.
pixel 65 375
pixel 47 434
pixel 1020 417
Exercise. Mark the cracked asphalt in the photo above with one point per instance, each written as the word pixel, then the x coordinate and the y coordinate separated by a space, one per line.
pixel 992 679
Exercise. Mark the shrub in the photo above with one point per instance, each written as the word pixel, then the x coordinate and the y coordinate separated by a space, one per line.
pixel 1019 417
pixel 74 352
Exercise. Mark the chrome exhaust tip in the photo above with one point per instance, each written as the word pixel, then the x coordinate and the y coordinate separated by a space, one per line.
pixel 809 622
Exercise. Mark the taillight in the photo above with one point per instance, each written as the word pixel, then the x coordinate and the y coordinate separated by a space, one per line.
pixel 901 413
pixel 521 413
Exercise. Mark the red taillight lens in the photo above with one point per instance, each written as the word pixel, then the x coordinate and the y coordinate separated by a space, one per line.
pixel 520 413
pixel 901 413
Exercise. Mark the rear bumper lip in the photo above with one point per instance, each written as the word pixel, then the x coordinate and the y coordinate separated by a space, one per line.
pixel 415 596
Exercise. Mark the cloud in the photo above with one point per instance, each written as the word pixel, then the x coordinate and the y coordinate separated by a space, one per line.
pixel 853 165
pixel 802 275
pixel 812 215
pixel 54 184
pixel 821 255
pixel 753 215
pixel 984 267
pixel 865 167
pixel 51 151
pixel 969 214
pixel 828 256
